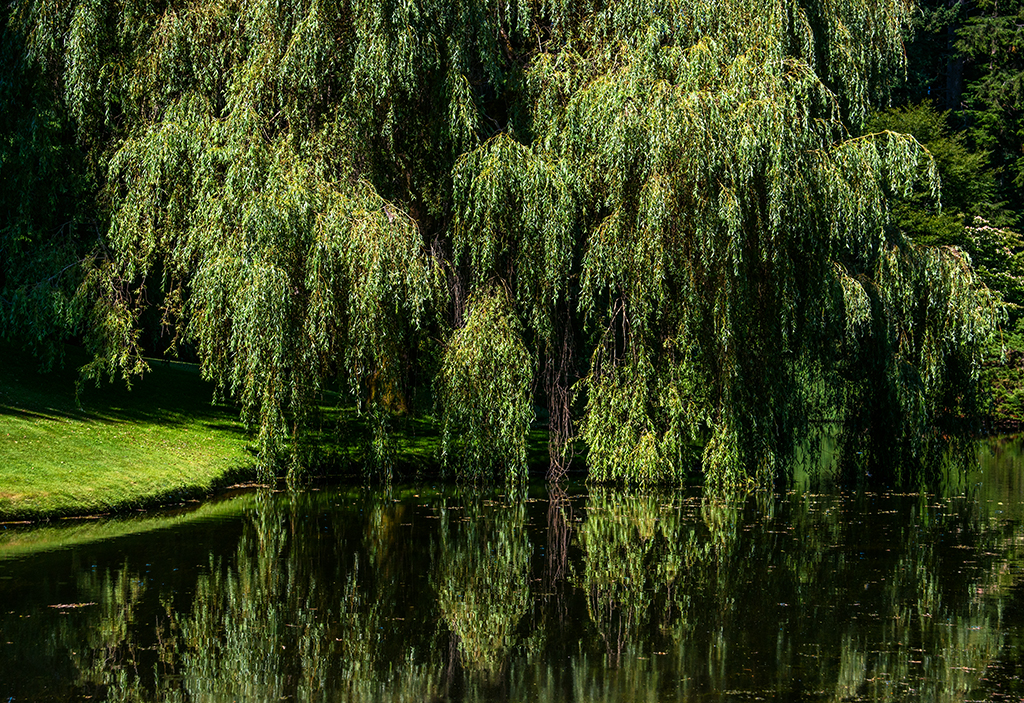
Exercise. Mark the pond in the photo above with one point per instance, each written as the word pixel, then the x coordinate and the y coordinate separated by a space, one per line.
pixel 433 593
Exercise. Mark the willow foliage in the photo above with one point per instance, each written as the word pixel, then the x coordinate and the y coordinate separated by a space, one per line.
pixel 654 217
pixel 485 392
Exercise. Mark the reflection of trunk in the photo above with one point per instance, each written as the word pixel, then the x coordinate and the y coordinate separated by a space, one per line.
pixel 449 670
pixel 559 375
pixel 619 620
pixel 559 538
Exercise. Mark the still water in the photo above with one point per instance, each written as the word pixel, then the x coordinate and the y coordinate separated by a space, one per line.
pixel 582 594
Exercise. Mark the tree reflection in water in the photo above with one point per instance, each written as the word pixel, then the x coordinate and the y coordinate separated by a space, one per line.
pixel 481 575
pixel 104 653
pixel 278 625
pixel 595 596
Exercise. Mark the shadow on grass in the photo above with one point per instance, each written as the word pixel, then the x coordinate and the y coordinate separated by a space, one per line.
pixel 33 415
pixel 171 395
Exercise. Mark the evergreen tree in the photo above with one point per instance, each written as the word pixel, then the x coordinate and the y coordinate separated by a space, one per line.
pixel 935 67
pixel 971 220
pixel 967 178
pixel 993 41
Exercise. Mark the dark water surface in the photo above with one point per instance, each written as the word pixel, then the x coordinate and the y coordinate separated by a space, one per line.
pixel 586 594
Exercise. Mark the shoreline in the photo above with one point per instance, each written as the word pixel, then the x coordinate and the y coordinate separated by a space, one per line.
pixel 76 451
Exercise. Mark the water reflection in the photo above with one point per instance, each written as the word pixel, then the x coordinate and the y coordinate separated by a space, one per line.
pixel 105 655
pixel 481 575
pixel 295 615
pixel 577 595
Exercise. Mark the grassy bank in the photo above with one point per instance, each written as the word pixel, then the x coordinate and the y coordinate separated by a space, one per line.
pixel 113 449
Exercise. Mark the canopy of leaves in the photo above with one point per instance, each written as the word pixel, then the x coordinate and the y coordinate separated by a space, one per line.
pixel 484 389
pixel 648 215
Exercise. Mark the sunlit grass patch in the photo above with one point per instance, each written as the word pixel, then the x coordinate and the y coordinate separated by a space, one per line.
pixel 112 448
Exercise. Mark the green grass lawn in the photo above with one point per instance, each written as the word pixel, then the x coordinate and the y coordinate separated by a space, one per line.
pixel 163 441
pixel 114 449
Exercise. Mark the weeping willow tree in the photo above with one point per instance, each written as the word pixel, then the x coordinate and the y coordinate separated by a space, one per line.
pixel 659 219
